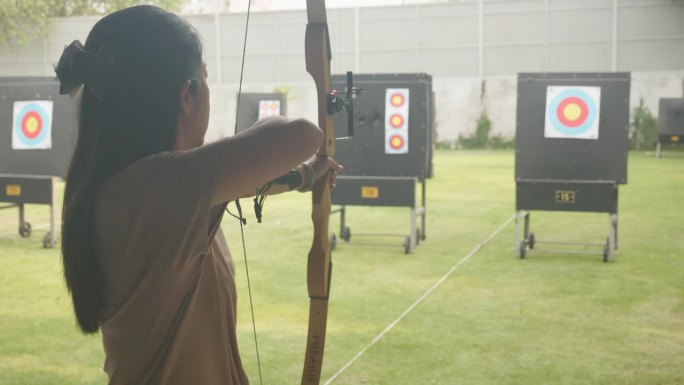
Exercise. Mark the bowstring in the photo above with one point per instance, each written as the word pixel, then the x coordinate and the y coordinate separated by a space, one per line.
pixel 241 218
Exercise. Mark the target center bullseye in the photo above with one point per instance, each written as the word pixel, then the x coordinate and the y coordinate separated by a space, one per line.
pixel 397 100
pixel 32 125
pixel 572 112
pixel 397 121
pixel 396 142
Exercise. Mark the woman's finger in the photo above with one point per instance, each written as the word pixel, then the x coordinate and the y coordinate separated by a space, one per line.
pixel 333 178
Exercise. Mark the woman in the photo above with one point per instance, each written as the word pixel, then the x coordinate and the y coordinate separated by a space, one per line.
pixel 144 257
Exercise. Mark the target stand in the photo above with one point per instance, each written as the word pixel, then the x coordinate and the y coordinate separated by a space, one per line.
pixel 390 154
pixel 549 195
pixel 19 190
pixel 37 133
pixel 571 153
pixel 381 191
pixel 670 123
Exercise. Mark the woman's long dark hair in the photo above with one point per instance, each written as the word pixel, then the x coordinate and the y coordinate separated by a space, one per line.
pixel 128 110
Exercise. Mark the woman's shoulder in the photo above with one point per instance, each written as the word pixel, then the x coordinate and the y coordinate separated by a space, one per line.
pixel 143 168
pixel 135 176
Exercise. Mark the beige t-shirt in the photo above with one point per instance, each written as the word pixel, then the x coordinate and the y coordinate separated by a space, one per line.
pixel 170 291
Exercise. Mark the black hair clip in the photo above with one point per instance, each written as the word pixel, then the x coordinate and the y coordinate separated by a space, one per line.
pixel 69 78
pixel 77 66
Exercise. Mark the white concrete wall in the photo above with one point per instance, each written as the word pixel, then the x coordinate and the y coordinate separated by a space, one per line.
pixel 461 44
pixel 459 101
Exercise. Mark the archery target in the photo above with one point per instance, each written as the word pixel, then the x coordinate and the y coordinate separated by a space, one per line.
pixel 269 108
pixel 32 125
pixel 572 112
pixel 396 121
pixel 396 142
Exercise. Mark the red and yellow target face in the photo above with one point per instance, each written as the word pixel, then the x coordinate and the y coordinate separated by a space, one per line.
pixel 32 125
pixel 396 142
pixel 572 112
pixel 268 108
pixel 397 100
pixel 396 121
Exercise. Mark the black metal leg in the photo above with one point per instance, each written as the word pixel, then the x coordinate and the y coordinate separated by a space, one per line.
pixel 423 221
pixel 22 222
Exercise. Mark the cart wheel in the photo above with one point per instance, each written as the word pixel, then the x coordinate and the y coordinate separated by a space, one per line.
pixel 333 241
pixel 605 252
pixel 530 241
pixel 346 234
pixel 25 231
pixel 47 241
pixel 522 252
pixel 407 245
pixel 417 237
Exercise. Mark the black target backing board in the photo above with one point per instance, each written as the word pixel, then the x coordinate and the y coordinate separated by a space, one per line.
pixel 364 154
pixel 570 159
pixel 248 112
pixel 49 162
pixel 671 120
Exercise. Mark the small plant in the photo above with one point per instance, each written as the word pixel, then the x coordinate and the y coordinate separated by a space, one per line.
pixel 481 135
pixel 282 89
pixel 481 138
pixel 445 145
pixel 500 142
pixel 643 129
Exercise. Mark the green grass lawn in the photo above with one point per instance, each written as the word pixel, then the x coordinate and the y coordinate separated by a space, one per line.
pixel 549 319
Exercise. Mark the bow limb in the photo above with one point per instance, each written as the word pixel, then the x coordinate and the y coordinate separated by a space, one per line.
pixel 317 48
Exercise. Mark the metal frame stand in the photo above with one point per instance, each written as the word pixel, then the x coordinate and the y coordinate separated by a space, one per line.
pixel 527 242
pixel 416 234
pixel 40 190
pixel 668 149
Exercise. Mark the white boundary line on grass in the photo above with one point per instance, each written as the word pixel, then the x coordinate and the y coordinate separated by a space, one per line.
pixel 463 260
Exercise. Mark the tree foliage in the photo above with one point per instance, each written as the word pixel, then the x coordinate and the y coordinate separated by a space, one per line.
pixel 482 137
pixel 22 21
pixel 643 130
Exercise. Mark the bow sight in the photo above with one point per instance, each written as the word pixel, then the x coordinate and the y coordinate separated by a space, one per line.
pixel 337 102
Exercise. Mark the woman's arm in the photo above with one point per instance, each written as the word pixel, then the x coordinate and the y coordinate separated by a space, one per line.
pixel 269 149
pixel 317 167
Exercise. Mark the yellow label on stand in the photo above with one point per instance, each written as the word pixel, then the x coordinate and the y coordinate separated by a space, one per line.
pixel 13 190
pixel 370 192
pixel 565 196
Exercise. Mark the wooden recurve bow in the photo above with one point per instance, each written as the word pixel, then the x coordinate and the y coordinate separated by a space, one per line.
pixel 318 55
pixel 319 270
